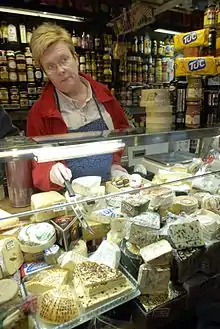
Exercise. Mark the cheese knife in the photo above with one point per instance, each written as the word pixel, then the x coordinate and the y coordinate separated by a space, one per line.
pixel 76 209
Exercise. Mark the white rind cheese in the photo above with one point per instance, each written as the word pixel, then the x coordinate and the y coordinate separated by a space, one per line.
pixel 70 259
pixel 103 216
pixel 35 238
pixel 153 280
pixel 158 253
pixel 186 233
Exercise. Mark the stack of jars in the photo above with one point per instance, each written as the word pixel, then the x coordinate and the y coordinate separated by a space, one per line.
pixel 158 109
pixel 194 100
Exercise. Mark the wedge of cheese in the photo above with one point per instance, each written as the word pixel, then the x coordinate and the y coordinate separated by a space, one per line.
pixel 11 257
pixel 47 199
pixel 46 280
pixel 158 253
pixel 7 223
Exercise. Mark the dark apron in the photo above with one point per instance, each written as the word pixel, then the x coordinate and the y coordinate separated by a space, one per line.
pixel 94 165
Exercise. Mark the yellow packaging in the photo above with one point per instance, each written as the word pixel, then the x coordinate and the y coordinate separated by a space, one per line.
pixel 217 62
pixel 195 66
pixel 218 42
pixel 197 38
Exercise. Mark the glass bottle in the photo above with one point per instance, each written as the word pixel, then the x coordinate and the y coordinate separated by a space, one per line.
pixel 23 36
pixel 4 29
pixel 12 33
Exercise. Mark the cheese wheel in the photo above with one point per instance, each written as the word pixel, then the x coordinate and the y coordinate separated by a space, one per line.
pixel 57 305
pixel 185 204
pixel 8 290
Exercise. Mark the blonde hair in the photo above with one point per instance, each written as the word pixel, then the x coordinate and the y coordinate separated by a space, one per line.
pixel 44 36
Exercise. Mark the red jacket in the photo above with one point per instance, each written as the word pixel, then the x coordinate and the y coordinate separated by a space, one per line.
pixel 45 119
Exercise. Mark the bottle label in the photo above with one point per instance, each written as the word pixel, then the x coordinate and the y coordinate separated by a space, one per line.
pixel 193 120
pixel 12 34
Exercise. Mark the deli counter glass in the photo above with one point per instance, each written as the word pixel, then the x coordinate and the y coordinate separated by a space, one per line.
pixel 69 254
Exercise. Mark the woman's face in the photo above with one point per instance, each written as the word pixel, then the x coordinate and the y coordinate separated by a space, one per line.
pixel 61 67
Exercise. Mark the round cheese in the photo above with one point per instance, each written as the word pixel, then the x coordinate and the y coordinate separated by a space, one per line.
pixel 185 204
pixel 35 238
pixel 8 290
pixel 57 305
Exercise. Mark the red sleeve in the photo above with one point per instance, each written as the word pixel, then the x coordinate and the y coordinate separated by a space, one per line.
pixel 40 171
pixel 120 122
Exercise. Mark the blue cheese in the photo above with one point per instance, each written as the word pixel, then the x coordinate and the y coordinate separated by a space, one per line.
pixel 158 253
pixel 186 233
pixel 153 280
pixel 135 205
pixel 141 235
pixel 149 218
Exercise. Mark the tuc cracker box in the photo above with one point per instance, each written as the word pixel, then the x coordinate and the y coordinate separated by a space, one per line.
pixel 195 66
pixel 191 39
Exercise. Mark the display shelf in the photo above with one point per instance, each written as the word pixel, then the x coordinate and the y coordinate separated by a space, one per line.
pixel 94 313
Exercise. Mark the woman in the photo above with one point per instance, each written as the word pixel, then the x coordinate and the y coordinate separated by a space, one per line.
pixel 70 102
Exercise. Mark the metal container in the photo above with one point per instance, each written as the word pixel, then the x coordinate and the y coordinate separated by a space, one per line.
pixel 19 180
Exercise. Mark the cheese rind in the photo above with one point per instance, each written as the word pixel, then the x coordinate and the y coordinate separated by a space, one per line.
pixel 186 233
pixel 43 200
pixel 158 253
pixel 58 305
pixel 153 280
pixel 11 257
pixel 7 223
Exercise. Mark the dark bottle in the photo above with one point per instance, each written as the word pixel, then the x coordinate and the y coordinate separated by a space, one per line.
pixel 141 45
pixel 180 104
pixel 212 42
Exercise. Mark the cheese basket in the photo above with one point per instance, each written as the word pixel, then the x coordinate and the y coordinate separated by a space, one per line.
pixel 86 315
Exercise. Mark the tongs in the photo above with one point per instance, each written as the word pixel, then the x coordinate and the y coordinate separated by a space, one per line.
pixel 78 212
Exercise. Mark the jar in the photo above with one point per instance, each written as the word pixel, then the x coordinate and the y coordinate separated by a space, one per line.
pixel 39 90
pixel 38 74
pixel 23 99
pixel 22 76
pixel 193 111
pixel 82 67
pixel 32 90
pixel 3 66
pixel 28 56
pixel 209 16
pixel 30 74
pixel 20 60
pixel 14 95
pixel 107 75
pixel 160 50
pixel 12 75
pixel 107 60
pixel 212 42
pixel 3 96
pixel 82 59
pixel 31 100
pixel 11 60
pixel 194 90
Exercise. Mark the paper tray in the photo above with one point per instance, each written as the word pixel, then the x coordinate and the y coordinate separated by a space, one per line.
pixel 95 312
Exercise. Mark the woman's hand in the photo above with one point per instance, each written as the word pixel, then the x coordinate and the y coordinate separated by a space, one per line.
pixel 58 172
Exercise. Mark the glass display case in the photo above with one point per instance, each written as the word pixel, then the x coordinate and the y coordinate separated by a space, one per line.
pixel 147 230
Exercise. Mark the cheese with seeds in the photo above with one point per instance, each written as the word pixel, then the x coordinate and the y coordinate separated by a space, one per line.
pixel 46 280
pixel 58 305
pixel 95 278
